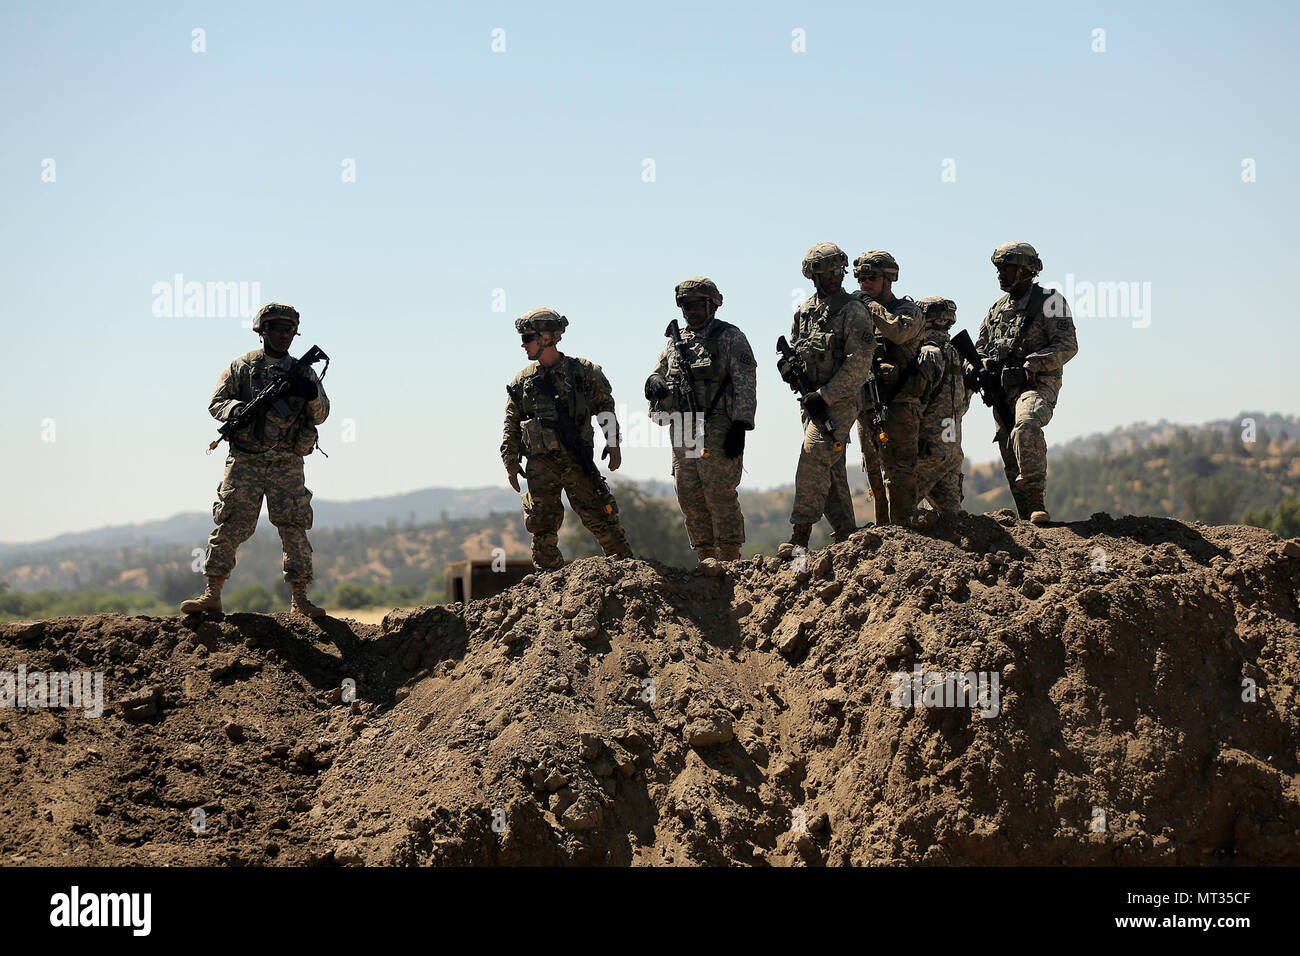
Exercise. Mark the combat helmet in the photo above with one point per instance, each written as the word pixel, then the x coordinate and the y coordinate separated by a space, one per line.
pixel 1020 254
pixel 697 287
pixel 543 322
pixel 824 257
pixel 938 312
pixel 875 262
pixel 275 310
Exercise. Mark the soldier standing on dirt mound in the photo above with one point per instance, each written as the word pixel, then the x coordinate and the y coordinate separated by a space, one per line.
pixel 706 468
pixel 549 406
pixel 1026 339
pixel 899 331
pixel 946 399
pixel 265 460
pixel 833 336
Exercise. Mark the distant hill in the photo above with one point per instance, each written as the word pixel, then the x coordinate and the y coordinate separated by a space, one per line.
pixel 1130 437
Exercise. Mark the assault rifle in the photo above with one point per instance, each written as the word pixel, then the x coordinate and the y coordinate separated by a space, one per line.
pixel 879 410
pixel 674 334
pixel 794 373
pixel 988 382
pixel 269 395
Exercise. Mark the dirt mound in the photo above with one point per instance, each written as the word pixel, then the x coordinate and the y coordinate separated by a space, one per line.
pixel 1132 700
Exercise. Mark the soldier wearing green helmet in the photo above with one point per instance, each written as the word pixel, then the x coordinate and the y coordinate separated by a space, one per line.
pixel 1025 339
pixel 833 336
pixel 549 407
pixel 720 368
pixel 943 405
pixel 889 455
pixel 265 461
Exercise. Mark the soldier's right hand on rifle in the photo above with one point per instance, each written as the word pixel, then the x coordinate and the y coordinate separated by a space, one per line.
pixel 656 388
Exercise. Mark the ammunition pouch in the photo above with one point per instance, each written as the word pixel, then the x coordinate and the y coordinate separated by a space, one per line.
pixel 1014 379
pixel 538 437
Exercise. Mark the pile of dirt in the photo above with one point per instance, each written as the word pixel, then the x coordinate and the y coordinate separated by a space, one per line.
pixel 1133 701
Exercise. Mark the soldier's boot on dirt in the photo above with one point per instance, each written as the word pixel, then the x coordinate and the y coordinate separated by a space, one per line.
pixel 923 519
pixel 209 602
pixel 1035 506
pixel 840 535
pixel 300 603
pixel 880 498
pixel 728 552
pixel 705 553
pixel 1022 507
pixel 799 535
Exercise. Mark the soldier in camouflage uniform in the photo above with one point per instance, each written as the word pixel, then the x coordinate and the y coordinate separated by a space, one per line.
pixel 889 459
pixel 946 398
pixel 552 387
pixel 265 460
pixel 1026 339
pixel 707 471
pixel 833 335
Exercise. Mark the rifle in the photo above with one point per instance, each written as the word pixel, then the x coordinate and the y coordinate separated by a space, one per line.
pixel 794 373
pixel 987 382
pixel 674 334
pixel 568 434
pixel 268 396
pixel 879 410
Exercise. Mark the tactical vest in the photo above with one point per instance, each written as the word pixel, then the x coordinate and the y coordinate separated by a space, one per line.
pixel 704 353
pixel 1014 334
pixel 537 407
pixel 281 425
pixel 816 340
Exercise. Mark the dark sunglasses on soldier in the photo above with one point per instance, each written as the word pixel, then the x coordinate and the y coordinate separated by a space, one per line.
pixel 279 326
pixel 528 337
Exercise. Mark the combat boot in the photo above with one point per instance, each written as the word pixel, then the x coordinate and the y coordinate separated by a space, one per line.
pixel 705 553
pixel 799 535
pixel 843 534
pixel 300 603
pixel 923 519
pixel 209 602
pixel 1037 509
pixel 1022 506
pixel 728 552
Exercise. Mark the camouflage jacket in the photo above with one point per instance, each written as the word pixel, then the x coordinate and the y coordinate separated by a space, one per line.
pixel 289 424
pixel 532 423
pixel 945 399
pixel 723 369
pixel 1035 331
pixel 899 332
pixel 835 339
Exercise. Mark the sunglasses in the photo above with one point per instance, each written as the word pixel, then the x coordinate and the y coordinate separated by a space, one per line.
pixel 529 337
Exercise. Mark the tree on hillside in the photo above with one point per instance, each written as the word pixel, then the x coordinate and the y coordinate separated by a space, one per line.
pixel 1283 521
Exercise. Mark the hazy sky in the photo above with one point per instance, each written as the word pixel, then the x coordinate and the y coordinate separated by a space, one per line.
pixel 606 153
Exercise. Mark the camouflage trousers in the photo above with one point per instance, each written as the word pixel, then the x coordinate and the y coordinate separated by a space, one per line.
pixel 939 479
pixel 277 476
pixel 938 470
pixel 894 459
pixel 1024 451
pixel 548 475
pixel 821 482
pixel 706 493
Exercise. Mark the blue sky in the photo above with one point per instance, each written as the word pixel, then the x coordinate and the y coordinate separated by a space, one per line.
pixel 523 171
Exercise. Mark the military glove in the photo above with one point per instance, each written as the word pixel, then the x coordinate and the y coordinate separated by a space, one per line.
pixel 300 387
pixel 615 456
pixel 656 388
pixel 512 474
pixel 815 406
pixel 733 446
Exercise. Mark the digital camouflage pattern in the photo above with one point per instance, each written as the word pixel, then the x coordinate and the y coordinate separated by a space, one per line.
pixel 531 431
pixel 899 331
pixel 944 404
pixel 1036 333
pixel 835 338
pixel 275 310
pixel 724 371
pixel 265 461
pixel 544 322
pixel 1018 253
